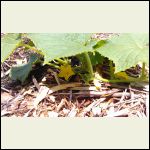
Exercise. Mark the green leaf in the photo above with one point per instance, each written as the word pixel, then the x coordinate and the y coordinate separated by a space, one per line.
pixel 86 77
pixel 57 45
pixel 9 42
pixel 100 43
pixel 96 58
pixel 21 72
pixel 126 50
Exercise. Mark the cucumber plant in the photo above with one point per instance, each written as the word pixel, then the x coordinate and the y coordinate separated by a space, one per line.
pixel 124 51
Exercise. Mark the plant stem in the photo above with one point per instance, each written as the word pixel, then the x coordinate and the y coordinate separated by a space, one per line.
pixel 53 65
pixel 111 70
pixel 120 81
pixel 88 63
pixel 143 71
pixel 61 61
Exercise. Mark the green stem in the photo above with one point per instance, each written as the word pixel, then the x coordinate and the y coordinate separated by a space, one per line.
pixel 56 62
pixel 53 65
pixel 111 70
pixel 89 64
pixel 61 61
pixel 120 81
pixel 143 71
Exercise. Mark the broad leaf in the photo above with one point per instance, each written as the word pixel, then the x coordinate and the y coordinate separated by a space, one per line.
pixel 126 50
pixel 9 42
pixel 21 72
pixel 96 58
pixel 56 45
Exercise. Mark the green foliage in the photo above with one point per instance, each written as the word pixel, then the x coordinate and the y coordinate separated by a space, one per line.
pixel 21 72
pixel 86 69
pixel 96 58
pixel 9 42
pixel 100 43
pixel 57 45
pixel 126 50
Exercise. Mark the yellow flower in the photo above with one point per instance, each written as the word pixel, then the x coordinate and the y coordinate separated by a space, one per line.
pixel 66 71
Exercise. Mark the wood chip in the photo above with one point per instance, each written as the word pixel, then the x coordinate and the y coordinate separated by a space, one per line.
pixel 52 98
pixel 61 104
pixel 41 95
pixel 73 112
pixel 52 114
pixel 65 111
pixel 147 105
pixel 123 112
pixel 96 111
pixel 35 83
pixel 5 97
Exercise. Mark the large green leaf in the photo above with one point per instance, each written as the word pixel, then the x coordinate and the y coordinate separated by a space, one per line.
pixel 9 42
pixel 56 45
pixel 21 72
pixel 127 50
pixel 96 58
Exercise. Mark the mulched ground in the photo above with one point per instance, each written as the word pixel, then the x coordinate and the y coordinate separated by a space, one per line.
pixel 43 96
